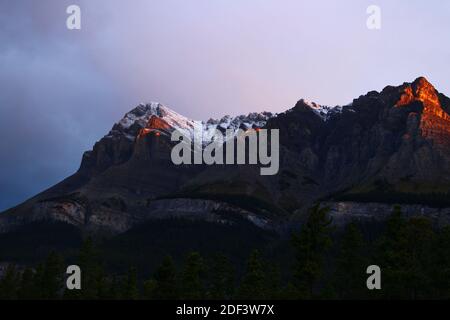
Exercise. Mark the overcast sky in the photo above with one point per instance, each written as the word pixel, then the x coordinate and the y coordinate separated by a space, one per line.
pixel 62 90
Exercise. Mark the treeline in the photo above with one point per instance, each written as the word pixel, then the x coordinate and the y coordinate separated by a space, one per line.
pixel 413 256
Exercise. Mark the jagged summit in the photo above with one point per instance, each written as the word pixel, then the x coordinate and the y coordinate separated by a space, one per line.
pixel 435 121
pixel 156 116
pixel 419 90
pixel 143 112
pixel 422 81
pixel 324 112
pixel 147 117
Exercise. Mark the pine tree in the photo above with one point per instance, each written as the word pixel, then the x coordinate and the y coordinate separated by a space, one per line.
pixel 389 254
pixel 149 288
pixel 9 283
pixel 221 278
pixel 310 246
pixel 92 275
pixel 166 280
pixel 404 252
pixel 114 289
pixel 351 264
pixel 27 289
pixel 192 277
pixel 52 277
pixel 418 255
pixel 253 282
pixel 130 289
pixel 272 281
pixel 38 282
pixel 441 262
pixel 103 284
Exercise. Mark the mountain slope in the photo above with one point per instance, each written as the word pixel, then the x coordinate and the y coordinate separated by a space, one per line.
pixel 395 141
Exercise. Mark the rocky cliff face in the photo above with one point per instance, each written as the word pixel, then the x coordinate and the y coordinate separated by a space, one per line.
pixel 397 137
pixel 393 142
pixel 346 212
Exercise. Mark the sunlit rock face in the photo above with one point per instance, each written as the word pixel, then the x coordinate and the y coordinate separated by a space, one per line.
pixel 422 161
pixel 155 125
pixel 434 120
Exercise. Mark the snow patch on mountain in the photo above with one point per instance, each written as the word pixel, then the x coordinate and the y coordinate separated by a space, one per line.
pixel 324 112
pixel 138 118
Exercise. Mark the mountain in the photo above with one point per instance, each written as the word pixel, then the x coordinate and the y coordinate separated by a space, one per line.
pixel 384 147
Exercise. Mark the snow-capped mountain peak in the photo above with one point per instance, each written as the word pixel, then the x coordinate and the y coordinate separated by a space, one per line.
pixel 141 116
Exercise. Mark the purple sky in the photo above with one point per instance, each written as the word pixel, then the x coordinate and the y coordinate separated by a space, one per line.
pixel 63 90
